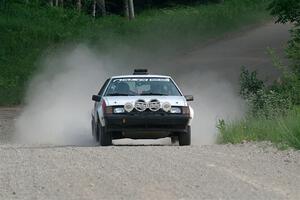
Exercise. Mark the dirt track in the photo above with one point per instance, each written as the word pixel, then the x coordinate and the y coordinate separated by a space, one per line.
pixel 149 172
pixel 248 171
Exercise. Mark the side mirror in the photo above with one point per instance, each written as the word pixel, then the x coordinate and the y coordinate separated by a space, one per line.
pixel 96 98
pixel 189 97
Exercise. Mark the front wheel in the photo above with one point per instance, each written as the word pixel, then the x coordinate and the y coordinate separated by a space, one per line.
pixel 185 137
pixel 105 138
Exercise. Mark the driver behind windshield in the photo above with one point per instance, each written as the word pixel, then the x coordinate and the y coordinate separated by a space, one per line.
pixel 156 88
pixel 122 88
pixel 128 87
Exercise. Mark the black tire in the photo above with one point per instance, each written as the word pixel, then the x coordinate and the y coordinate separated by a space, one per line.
pixel 105 138
pixel 185 137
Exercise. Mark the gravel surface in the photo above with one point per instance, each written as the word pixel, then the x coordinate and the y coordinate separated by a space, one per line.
pixel 246 171
pixel 149 172
pixel 7 118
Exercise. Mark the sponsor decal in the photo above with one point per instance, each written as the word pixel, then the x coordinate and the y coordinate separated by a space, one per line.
pixel 142 80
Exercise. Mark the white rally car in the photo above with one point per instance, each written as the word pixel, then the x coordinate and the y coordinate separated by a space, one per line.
pixel 141 106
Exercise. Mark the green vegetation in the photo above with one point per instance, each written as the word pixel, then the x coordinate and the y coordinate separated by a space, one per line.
pixel 273 114
pixel 283 130
pixel 274 111
pixel 28 31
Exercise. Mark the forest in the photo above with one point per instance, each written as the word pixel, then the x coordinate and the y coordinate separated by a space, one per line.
pixel 98 8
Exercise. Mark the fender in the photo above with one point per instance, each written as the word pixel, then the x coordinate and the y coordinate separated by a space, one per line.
pixel 100 116
pixel 191 115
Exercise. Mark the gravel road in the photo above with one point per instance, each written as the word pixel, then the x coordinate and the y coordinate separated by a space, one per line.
pixel 246 171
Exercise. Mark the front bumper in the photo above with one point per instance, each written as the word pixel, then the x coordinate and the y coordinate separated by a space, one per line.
pixel 146 125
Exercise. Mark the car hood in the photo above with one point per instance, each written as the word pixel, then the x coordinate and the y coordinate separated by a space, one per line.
pixel 121 100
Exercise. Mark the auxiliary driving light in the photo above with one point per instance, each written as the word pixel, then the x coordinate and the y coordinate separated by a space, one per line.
pixel 128 107
pixel 166 106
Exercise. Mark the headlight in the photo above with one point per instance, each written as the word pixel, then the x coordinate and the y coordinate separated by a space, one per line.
pixel 119 110
pixel 175 110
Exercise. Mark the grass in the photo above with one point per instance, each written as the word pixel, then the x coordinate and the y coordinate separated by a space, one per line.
pixel 27 32
pixel 283 131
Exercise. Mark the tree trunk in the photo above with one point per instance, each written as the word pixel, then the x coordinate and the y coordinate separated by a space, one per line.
pixel 102 7
pixel 94 8
pixel 126 9
pixel 62 3
pixel 131 9
pixel 51 3
pixel 79 5
pixel 56 2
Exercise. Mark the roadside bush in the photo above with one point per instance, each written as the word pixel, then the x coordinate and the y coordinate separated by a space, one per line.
pixel 284 131
pixel 249 83
pixel 288 85
pixel 263 101
pixel 293 50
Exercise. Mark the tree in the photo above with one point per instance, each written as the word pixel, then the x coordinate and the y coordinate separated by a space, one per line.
pixel 286 10
pixel 126 9
pixel 131 9
pixel 289 11
pixel 79 5
pixel 94 8
pixel 102 7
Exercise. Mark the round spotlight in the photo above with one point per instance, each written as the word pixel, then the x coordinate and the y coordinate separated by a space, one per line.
pixel 128 107
pixel 154 105
pixel 166 106
pixel 140 105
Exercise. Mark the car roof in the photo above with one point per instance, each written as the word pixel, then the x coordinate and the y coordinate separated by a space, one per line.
pixel 140 76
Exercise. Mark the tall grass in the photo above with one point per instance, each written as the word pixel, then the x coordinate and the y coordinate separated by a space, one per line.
pixel 283 130
pixel 27 32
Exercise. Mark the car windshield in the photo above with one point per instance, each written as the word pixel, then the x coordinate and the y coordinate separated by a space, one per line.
pixel 142 87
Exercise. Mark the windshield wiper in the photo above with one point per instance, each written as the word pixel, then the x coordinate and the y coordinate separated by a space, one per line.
pixel 118 94
pixel 153 94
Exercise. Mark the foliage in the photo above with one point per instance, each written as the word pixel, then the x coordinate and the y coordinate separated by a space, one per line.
pixel 264 101
pixel 283 130
pixel 289 11
pixel 285 10
pixel 294 49
pixel 273 112
pixel 111 6
pixel 249 83
pixel 28 31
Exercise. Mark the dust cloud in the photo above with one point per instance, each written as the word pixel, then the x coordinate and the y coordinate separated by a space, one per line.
pixel 58 101
pixel 215 99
